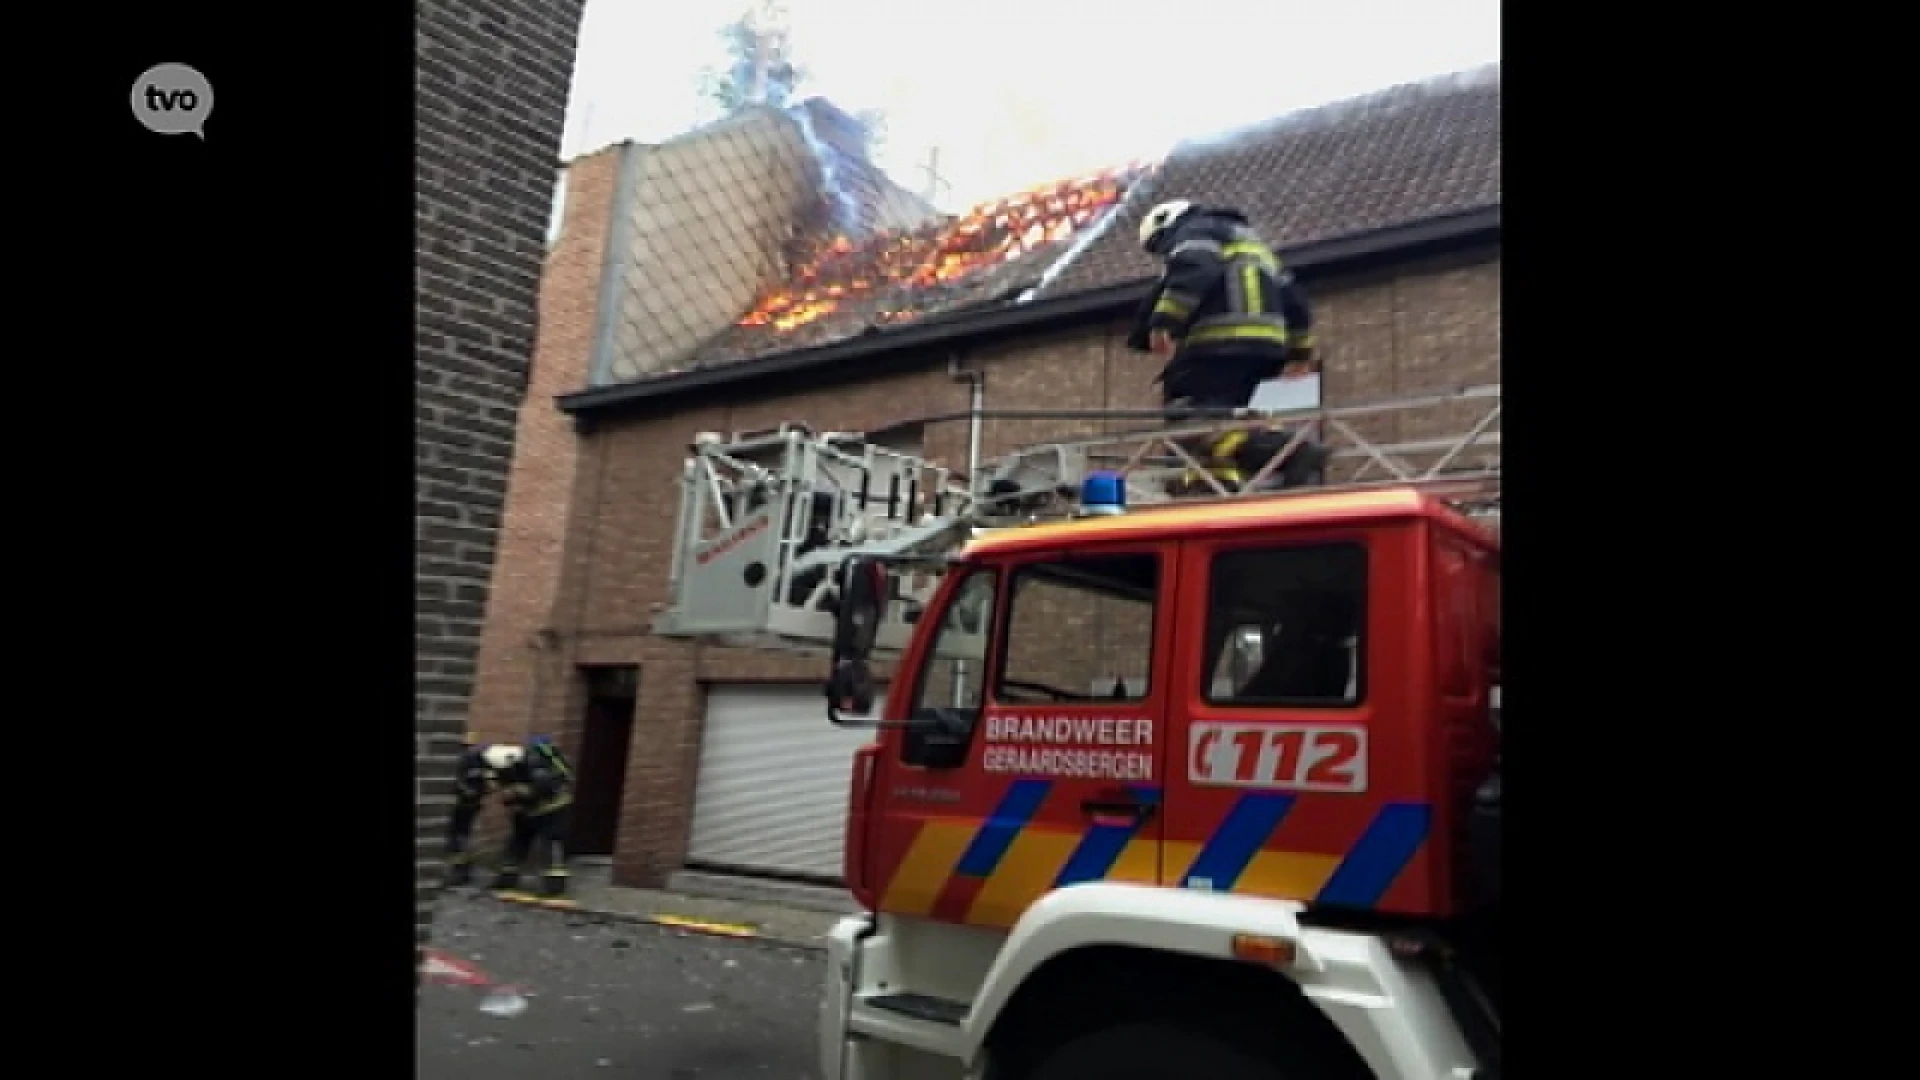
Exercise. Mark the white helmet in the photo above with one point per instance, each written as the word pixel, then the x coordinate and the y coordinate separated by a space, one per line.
pixel 500 757
pixel 1160 219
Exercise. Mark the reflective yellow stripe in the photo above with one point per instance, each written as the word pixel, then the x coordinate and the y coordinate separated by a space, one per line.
pixel 1250 281
pixel 680 922
pixel 1239 333
pixel 924 870
pixel 1260 253
pixel 1226 474
pixel 1167 305
pixel 1226 444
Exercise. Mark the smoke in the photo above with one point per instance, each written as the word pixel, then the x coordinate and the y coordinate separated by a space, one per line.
pixel 846 209
pixel 1136 193
pixel 1378 103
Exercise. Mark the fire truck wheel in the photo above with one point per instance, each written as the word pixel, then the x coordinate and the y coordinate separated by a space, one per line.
pixel 1154 1052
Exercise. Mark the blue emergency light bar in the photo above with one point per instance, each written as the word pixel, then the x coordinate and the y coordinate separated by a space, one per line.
pixel 1103 493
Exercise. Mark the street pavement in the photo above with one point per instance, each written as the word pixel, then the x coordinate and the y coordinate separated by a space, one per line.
pixel 608 999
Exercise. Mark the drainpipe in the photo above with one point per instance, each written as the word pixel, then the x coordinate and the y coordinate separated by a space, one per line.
pixel 976 407
pixel 976 380
pixel 960 371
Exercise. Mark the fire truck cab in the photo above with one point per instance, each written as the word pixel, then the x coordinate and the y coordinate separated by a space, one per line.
pixel 1211 771
pixel 1198 789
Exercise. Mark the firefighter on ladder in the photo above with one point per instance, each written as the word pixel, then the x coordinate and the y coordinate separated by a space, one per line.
pixel 1225 316
pixel 472 781
pixel 537 785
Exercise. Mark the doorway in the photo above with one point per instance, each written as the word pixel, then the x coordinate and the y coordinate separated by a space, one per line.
pixel 607 731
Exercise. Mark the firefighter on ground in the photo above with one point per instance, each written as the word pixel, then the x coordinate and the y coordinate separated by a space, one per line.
pixel 536 784
pixel 471 785
pixel 1225 316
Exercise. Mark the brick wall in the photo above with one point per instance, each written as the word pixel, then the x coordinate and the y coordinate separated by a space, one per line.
pixel 1070 638
pixel 540 486
pixel 1421 329
pixel 491 82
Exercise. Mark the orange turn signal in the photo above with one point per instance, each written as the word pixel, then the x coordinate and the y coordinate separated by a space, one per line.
pixel 1260 949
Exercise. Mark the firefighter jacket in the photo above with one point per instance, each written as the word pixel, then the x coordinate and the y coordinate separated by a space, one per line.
pixel 1224 293
pixel 541 783
pixel 472 780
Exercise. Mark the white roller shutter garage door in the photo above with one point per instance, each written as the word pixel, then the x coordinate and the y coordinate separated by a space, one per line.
pixel 771 793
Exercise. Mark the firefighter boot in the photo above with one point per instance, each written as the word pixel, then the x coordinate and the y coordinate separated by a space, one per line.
pixel 507 880
pixel 1306 466
pixel 1223 459
pixel 459 873
pixel 1192 483
pixel 553 868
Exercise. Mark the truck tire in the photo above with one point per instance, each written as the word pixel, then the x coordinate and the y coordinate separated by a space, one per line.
pixel 1154 1051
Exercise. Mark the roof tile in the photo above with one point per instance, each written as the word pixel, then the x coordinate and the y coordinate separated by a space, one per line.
pixel 1390 158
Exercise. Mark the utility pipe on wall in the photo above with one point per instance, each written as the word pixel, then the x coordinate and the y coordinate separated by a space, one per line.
pixel 976 417
pixel 976 381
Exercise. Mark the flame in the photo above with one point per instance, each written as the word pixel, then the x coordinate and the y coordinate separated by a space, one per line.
pixel 839 269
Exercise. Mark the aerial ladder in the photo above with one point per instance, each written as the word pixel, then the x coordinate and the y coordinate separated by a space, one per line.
pixel 766 517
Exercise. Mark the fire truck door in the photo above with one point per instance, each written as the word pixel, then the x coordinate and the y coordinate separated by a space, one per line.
pixel 1267 766
pixel 1062 780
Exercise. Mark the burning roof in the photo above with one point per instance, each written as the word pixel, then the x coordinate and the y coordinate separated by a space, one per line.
pixel 843 286
pixel 1402 155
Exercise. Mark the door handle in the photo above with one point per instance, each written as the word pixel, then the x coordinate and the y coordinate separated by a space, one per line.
pixel 1117 812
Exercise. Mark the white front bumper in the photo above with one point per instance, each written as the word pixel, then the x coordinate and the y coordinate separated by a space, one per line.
pixel 843 945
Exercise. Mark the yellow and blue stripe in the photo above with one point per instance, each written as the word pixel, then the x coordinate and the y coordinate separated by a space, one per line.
pixel 1039 860
pixel 1375 861
pixel 988 872
pixel 1002 870
pixel 1231 848
pixel 1017 807
pixel 1102 846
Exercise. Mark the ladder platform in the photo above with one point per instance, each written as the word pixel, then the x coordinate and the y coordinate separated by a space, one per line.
pixel 766 518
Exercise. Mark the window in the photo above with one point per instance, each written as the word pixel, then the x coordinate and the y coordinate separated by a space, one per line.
pixel 953 675
pixel 1286 627
pixel 1080 630
pixel 956 665
pixel 1285 395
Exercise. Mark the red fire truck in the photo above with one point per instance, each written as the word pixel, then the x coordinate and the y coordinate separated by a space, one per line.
pixel 1161 787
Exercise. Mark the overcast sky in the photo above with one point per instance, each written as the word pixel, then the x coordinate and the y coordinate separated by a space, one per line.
pixel 1017 92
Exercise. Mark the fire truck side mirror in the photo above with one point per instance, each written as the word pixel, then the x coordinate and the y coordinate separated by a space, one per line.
pixel 863 604
pixel 850 692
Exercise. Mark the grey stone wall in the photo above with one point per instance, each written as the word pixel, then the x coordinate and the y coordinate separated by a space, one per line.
pixel 491 80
